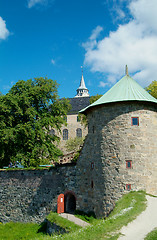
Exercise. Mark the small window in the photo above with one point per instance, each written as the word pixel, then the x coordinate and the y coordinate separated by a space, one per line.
pixel 79 132
pixel 65 134
pixel 52 132
pixel 93 129
pixel 135 121
pixel 128 187
pixel 65 118
pixel 92 184
pixel 78 118
pixel 128 164
pixel 92 165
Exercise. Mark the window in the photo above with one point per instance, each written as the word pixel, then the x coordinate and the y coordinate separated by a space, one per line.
pixel 52 132
pixel 128 164
pixel 128 187
pixel 92 184
pixel 92 165
pixel 93 129
pixel 79 132
pixel 65 134
pixel 135 121
pixel 78 119
pixel 65 118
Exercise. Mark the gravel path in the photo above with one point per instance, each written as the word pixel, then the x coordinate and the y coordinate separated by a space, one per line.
pixel 143 224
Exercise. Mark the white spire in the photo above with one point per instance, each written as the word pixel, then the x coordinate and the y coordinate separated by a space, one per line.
pixel 82 83
pixel 82 91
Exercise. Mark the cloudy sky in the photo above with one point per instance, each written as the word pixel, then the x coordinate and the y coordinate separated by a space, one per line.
pixel 54 38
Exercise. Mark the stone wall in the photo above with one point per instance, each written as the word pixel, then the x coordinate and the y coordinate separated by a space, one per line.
pixel 100 177
pixel 111 141
pixel 31 195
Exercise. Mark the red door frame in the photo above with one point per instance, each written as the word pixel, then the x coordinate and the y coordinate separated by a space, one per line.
pixel 60 204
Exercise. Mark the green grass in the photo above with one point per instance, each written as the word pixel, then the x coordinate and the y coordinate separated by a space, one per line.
pixel 62 222
pixel 19 231
pixel 133 203
pixel 152 235
pixel 126 209
pixel 87 217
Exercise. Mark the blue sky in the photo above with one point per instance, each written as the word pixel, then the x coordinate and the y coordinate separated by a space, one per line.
pixel 54 38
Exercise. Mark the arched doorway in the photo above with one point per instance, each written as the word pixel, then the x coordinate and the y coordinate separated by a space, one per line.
pixel 69 202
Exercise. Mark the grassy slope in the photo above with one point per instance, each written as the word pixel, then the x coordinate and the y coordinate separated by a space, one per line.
pixel 152 235
pixel 133 203
pixel 127 208
pixel 62 222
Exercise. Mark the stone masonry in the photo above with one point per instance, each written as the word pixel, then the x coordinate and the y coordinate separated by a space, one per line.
pixel 111 141
pixel 100 176
pixel 29 195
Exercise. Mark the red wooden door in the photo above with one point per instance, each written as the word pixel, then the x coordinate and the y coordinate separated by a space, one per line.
pixel 60 204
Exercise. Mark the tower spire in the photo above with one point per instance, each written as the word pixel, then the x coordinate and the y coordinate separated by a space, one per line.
pixel 82 91
pixel 126 70
pixel 82 70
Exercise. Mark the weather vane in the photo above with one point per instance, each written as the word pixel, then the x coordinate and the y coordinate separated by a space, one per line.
pixel 82 69
pixel 126 70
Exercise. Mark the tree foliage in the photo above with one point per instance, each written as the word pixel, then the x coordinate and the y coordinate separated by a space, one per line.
pixel 27 112
pixel 82 117
pixel 152 89
pixel 74 144
pixel 94 98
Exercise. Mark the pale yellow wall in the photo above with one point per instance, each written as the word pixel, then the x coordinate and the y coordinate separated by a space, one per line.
pixel 72 125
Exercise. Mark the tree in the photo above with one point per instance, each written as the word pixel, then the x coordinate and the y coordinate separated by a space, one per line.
pixel 152 89
pixel 74 144
pixel 95 98
pixel 27 113
pixel 81 116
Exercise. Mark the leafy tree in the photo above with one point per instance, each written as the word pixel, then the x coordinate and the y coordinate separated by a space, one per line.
pixel 94 98
pixel 152 89
pixel 83 118
pixel 27 112
pixel 74 144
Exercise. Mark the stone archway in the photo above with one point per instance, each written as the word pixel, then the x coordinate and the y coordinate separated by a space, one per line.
pixel 69 202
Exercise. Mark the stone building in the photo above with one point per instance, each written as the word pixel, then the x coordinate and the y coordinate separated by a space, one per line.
pixel 74 127
pixel 120 151
pixel 119 155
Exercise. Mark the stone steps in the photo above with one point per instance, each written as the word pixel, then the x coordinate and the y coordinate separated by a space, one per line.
pixel 74 219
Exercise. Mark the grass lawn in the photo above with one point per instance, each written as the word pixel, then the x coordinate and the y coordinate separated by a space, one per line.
pixel 152 235
pixel 18 231
pixel 126 209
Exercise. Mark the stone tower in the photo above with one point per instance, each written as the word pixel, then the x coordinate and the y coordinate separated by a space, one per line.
pixel 120 151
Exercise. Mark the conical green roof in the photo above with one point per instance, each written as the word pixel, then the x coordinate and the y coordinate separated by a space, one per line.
pixel 126 89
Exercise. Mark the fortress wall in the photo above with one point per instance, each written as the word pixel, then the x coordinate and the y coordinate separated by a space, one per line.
pixel 29 195
pixel 100 177
pixel 111 141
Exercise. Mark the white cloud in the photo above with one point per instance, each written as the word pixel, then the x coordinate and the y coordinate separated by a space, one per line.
pixel 133 43
pixel 32 3
pixel 102 84
pixel 53 61
pixel 4 32
pixel 9 86
pixel 92 39
pixel 96 32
